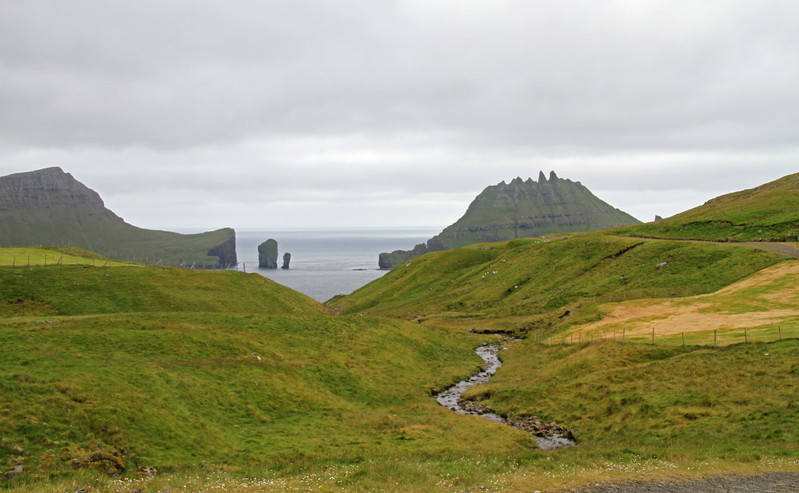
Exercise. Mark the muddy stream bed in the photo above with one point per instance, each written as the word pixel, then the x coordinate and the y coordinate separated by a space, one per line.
pixel 548 435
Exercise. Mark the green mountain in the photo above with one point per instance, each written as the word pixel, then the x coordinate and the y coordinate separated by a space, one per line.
pixel 51 208
pixel 520 209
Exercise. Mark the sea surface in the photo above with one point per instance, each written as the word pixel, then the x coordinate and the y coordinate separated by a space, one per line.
pixel 325 263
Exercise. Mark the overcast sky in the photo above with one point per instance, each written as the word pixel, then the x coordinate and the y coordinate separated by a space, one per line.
pixel 303 114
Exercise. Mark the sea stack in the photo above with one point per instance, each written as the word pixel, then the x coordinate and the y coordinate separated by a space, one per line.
pixel 286 260
pixel 267 254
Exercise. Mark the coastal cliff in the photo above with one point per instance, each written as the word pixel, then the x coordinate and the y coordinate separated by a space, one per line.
pixel 519 209
pixel 49 207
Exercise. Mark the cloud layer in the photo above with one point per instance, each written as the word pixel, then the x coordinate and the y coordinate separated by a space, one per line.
pixel 319 113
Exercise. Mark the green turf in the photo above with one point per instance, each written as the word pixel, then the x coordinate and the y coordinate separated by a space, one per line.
pixel 769 212
pixel 689 404
pixel 530 285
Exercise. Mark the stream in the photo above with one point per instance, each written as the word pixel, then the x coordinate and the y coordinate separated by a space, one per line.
pixel 548 435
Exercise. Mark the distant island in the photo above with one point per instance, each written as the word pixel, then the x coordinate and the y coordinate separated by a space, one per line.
pixel 520 209
pixel 49 207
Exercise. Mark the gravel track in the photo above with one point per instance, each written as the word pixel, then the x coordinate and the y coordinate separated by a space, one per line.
pixel 773 482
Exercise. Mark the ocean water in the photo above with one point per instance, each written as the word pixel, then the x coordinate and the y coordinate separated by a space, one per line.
pixel 326 263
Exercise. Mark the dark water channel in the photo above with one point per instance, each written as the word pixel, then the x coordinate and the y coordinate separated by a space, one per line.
pixel 548 435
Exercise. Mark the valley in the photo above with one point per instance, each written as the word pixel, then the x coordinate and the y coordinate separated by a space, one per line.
pixel 119 377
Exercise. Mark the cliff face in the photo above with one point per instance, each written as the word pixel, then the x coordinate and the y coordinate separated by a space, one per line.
pixel 51 208
pixel 521 209
pixel 225 251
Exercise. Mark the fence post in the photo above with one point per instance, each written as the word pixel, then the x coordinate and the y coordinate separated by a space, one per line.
pixel 779 328
pixel 714 338
pixel 45 260
pixel 746 339
pixel 683 339
pixel 623 335
pixel 653 334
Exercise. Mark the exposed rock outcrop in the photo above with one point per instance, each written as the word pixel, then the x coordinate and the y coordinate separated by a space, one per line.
pixel 225 251
pixel 520 209
pixel 286 260
pixel 267 254
pixel 51 208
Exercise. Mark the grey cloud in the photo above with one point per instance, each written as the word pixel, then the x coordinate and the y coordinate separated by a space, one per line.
pixel 582 74
pixel 313 102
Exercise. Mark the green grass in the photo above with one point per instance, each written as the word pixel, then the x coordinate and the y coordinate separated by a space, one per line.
pixel 685 405
pixel 529 285
pixel 35 257
pixel 69 290
pixel 251 393
pixel 223 380
pixel 769 212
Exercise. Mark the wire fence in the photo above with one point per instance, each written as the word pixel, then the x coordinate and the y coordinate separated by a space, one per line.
pixel 30 261
pixel 715 337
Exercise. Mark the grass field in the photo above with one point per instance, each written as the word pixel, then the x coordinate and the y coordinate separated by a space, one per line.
pixel 35 257
pixel 542 287
pixel 761 307
pixel 225 381
pixel 66 290
pixel 687 406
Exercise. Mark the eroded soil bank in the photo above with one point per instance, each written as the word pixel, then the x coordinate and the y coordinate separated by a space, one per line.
pixel 548 435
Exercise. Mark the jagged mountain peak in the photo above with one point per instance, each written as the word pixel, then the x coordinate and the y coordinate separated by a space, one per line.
pixel 521 208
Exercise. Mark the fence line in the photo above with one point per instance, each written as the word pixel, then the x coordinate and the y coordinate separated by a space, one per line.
pixel 719 337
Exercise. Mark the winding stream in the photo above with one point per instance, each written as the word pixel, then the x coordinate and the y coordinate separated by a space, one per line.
pixel 548 438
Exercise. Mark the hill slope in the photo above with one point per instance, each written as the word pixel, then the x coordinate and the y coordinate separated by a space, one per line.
pixel 769 212
pixel 83 290
pixel 112 369
pixel 529 284
pixel 51 208
pixel 521 209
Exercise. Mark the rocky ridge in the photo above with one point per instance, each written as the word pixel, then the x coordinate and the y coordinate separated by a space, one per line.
pixel 520 209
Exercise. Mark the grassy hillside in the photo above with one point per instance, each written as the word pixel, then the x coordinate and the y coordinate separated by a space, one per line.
pixel 769 212
pixel 227 381
pixel 679 405
pixel 30 256
pixel 247 392
pixel 534 284
pixel 70 290
pixel 107 370
pixel 761 307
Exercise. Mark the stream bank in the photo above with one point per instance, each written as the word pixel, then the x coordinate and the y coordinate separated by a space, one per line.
pixel 548 435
